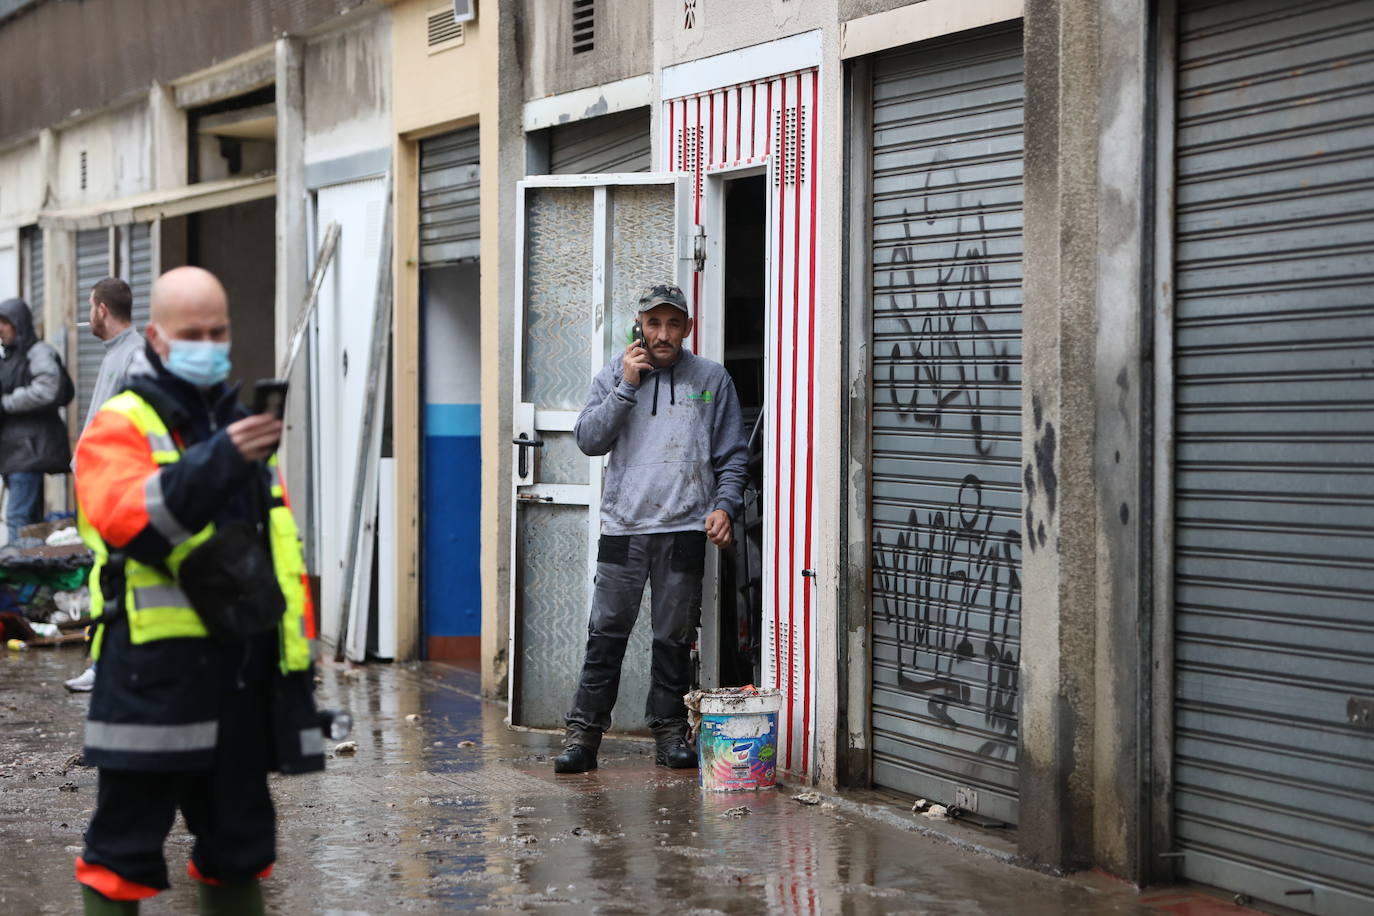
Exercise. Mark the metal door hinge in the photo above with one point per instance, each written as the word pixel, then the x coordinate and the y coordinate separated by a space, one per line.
pixel 698 248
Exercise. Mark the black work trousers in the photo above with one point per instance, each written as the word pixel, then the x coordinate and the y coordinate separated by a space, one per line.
pixel 672 564
pixel 228 807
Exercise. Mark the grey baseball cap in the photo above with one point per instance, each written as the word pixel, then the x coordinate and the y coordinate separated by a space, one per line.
pixel 662 294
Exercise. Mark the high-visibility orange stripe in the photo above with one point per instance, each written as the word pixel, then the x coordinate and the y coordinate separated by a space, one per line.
pixel 100 879
pixel 113 461
pixel 309 609
pixel 310 630
pixel 195 873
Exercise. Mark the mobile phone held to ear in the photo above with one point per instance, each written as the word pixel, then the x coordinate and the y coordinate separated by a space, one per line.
pixel 269 396
pixel 638 335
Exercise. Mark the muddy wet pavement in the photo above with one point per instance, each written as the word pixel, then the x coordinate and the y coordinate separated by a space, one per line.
pixel 451 810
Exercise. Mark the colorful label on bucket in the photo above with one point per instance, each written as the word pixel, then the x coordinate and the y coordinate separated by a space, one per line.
pixel 738 751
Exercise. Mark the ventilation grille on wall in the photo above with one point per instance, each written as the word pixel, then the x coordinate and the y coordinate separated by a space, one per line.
pixel 789 132
pixel 583 25
pixel 689 144
pixel 444 30
pixel 83 170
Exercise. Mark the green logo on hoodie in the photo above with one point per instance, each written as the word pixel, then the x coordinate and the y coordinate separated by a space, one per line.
pixel 704 397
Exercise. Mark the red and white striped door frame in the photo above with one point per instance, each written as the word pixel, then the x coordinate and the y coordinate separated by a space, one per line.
pixel 773 122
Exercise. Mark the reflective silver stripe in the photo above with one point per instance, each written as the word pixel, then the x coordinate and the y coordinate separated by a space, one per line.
pixel 124 736
pixel 161 442
pixel 158 513
pixel 312 742
pixel 160 596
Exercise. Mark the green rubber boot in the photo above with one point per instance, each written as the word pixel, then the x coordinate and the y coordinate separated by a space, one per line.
pixel 243 898
pixel 94 903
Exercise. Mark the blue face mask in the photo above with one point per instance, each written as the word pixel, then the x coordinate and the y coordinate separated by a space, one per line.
pixel 201 362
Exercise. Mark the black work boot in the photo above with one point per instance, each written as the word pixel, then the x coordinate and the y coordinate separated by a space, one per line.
pixel 579 753
pixel 671 748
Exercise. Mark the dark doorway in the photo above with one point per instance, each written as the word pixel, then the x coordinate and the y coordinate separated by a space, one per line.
pixel 238 244
pixel 745 305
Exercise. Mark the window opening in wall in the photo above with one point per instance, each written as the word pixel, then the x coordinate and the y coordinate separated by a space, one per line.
pixel 444 30
pixel 233 137
pixel 583 25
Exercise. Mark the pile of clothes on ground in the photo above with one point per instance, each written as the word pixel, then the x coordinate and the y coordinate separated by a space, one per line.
pixel 43 596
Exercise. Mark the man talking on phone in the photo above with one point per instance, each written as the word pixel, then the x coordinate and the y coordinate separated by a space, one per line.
pixel 671 422
pixel 204 682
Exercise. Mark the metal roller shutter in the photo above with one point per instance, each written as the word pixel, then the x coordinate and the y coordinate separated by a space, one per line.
pixel 611 143
pixel 92 266
pixel 33 272
pixel 139 273
pixel 450 186
pixel 946 427
pixel 1274 487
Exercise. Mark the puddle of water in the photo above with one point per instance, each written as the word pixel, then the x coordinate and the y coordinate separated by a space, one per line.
pixel 414 822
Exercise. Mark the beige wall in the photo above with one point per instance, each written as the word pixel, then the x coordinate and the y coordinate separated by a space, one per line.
pixel 432 93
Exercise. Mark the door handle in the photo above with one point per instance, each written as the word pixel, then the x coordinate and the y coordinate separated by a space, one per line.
pixel 525 443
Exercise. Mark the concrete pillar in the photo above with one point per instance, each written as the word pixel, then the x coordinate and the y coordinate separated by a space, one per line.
pixel 169 138
pixel 1123 444
pixel 291 252
pixel 503 164
pixel 1058 624
pixel 1087 384
pixel 47 157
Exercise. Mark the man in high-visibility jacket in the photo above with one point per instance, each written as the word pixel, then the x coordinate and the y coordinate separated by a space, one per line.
pixel 180 718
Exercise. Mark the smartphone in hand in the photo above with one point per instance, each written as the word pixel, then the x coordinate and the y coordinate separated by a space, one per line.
pixel 638 335
pixel 269 396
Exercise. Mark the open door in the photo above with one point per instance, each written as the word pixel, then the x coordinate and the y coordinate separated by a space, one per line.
pixel 587 245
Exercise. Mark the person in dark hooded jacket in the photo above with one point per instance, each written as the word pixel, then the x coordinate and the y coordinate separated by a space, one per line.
pixel 33 436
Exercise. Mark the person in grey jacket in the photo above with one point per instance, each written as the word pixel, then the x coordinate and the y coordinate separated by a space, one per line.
pixel 33 436
pixel 112 320
pixel 671 423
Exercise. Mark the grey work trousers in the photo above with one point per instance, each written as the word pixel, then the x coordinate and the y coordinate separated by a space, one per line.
pixel 672 564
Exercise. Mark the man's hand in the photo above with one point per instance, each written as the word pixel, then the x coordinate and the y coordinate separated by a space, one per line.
pixel 719 529
pixel 255 437
pixel 636 361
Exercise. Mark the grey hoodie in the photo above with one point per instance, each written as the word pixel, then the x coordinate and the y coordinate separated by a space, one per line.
pixel 33 436
pixel 677 446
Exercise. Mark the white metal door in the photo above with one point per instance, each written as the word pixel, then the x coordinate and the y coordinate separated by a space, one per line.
pixel 343 325
pixel 586 246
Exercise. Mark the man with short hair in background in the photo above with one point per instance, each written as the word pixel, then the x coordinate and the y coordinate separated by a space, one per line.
pixel 112 320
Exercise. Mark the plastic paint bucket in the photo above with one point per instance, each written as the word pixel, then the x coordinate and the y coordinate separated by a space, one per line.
pixel 737 746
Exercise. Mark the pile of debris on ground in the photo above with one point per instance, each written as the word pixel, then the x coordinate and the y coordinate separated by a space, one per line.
pixel 44 600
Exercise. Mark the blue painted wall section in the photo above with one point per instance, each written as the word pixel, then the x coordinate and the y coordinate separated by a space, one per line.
pixel 452 519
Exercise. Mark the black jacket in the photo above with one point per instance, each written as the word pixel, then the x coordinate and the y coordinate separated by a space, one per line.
pixel 33 436
pixel 188 680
